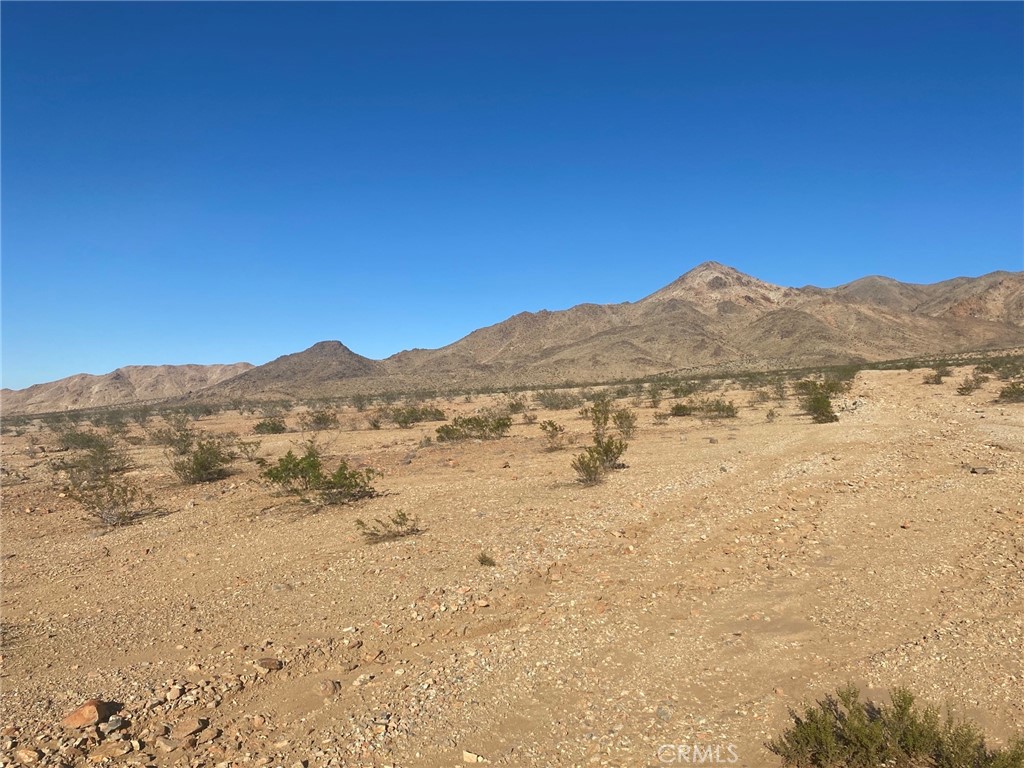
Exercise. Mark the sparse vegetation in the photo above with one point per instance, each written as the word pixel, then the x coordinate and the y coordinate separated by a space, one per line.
pixel 318 420
pixel 938 374
pixel 272 425
pixel 816 400
pixel 554 435
pixel 606 452
pixel 95 479
pixel 398 526
pixel 557 400
pixel 179 435
pixel 681 409
pixel 971 383
pixel 483 427
pixel 716 408
pixel 205 462
pixel 1012 393
pixel 484 559
pixel 407 416
pixel 305 474
pixel 842 731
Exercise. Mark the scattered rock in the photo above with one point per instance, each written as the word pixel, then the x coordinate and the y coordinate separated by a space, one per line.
pixel 327 688
pixel 270 664
pixel 28 756
pixel 187 727
pixel 982 471
pixel 91 712
pixel 472 757
pixel 108 750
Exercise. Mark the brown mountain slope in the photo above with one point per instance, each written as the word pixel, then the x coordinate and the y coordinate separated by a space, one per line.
pixel 133 383
pixel 326 361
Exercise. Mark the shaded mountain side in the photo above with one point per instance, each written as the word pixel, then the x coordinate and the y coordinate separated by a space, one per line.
pixel 130 384
pixel 324 362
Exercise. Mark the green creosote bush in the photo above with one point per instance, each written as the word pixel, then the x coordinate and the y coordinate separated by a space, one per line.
pixel 1012 393
pixel 179 435
pixel 483 427
pixel 205 462
pixel 306 474
pixel 272 425
pixel 557 400
pixel 816 401
pixel 606 452
pixel 407 416
pixel 554 435
pixel 95 479
pixel 681 409
pixel 318 419
pixel 841 731
pixel 939 372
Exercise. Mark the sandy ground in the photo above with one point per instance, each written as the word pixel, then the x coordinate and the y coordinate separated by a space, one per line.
pixel 735 569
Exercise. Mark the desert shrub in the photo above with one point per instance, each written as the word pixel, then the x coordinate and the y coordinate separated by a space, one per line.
pixel 625 422
pixel 374 422
pixel 361 401
pixel 205 462
pixel 554 434
pixel 816 401
pixel 248 449
pixel 939 372
pixel 1012 393
pixel 483 427
pixel 305 473
pixel 588 468
pixel 655 391
pixel 272 425
pixel 971 383
pixel 318 419
pixel 515 402
pixel 75 439
pixel 609 450
pixel 717 409
pixel 141 414
pixel 661 418
pixel 179 435
pixel 529 418
pixel 557 400
pixel 484 559
pixel 95 479
pixel 599 412
pixel 771 415
pixel 398 526
pixel 413 414
pixel 681 409
pixel 842 731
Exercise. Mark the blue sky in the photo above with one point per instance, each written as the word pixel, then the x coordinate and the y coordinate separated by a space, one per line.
pixel 214 182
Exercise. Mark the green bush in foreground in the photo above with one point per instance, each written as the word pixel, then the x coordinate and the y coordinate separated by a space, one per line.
pixel 305 473
pixel 844 732
pixel 270 426
pixel 205 462
pixel 1012 393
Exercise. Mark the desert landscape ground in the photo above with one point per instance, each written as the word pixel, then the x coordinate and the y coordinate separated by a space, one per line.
pixel 736 568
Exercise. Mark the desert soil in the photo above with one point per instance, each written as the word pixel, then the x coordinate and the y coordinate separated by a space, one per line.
pixel 733 570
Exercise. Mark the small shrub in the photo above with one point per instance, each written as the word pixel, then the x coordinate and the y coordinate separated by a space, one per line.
pixel 717 409
pixel 303 474
pixel 484 559
pixel 205 462
pixel 248 449
pixel 557 400
pixel 939 372
pixel 681 409
pixel 554 435
pixel 475 427
pixel 971 384
pixel 661 418
pixel 843 731
pixel 398 526
pixel 272 425
pixel 74 439
pixel 408 416
pixel 816 402
pixel 625 422
pixel 609 450
pixel 113 501
pixel 588 467
pixel 1012 393
pixel 361 402
pixel 771 415
pixel 515 402
pixel 318 419
pixel 179 435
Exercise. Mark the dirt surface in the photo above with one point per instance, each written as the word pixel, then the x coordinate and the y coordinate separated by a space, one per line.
pixel 733 570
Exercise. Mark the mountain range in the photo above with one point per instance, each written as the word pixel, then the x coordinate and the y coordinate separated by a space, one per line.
pixel 711 318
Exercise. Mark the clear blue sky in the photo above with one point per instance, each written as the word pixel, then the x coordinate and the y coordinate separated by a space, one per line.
pixel 205 182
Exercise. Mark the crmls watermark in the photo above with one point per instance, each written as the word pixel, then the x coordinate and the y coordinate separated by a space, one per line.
pixel 697 754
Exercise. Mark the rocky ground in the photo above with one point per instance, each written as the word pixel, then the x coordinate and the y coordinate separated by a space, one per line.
pixel 735 569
